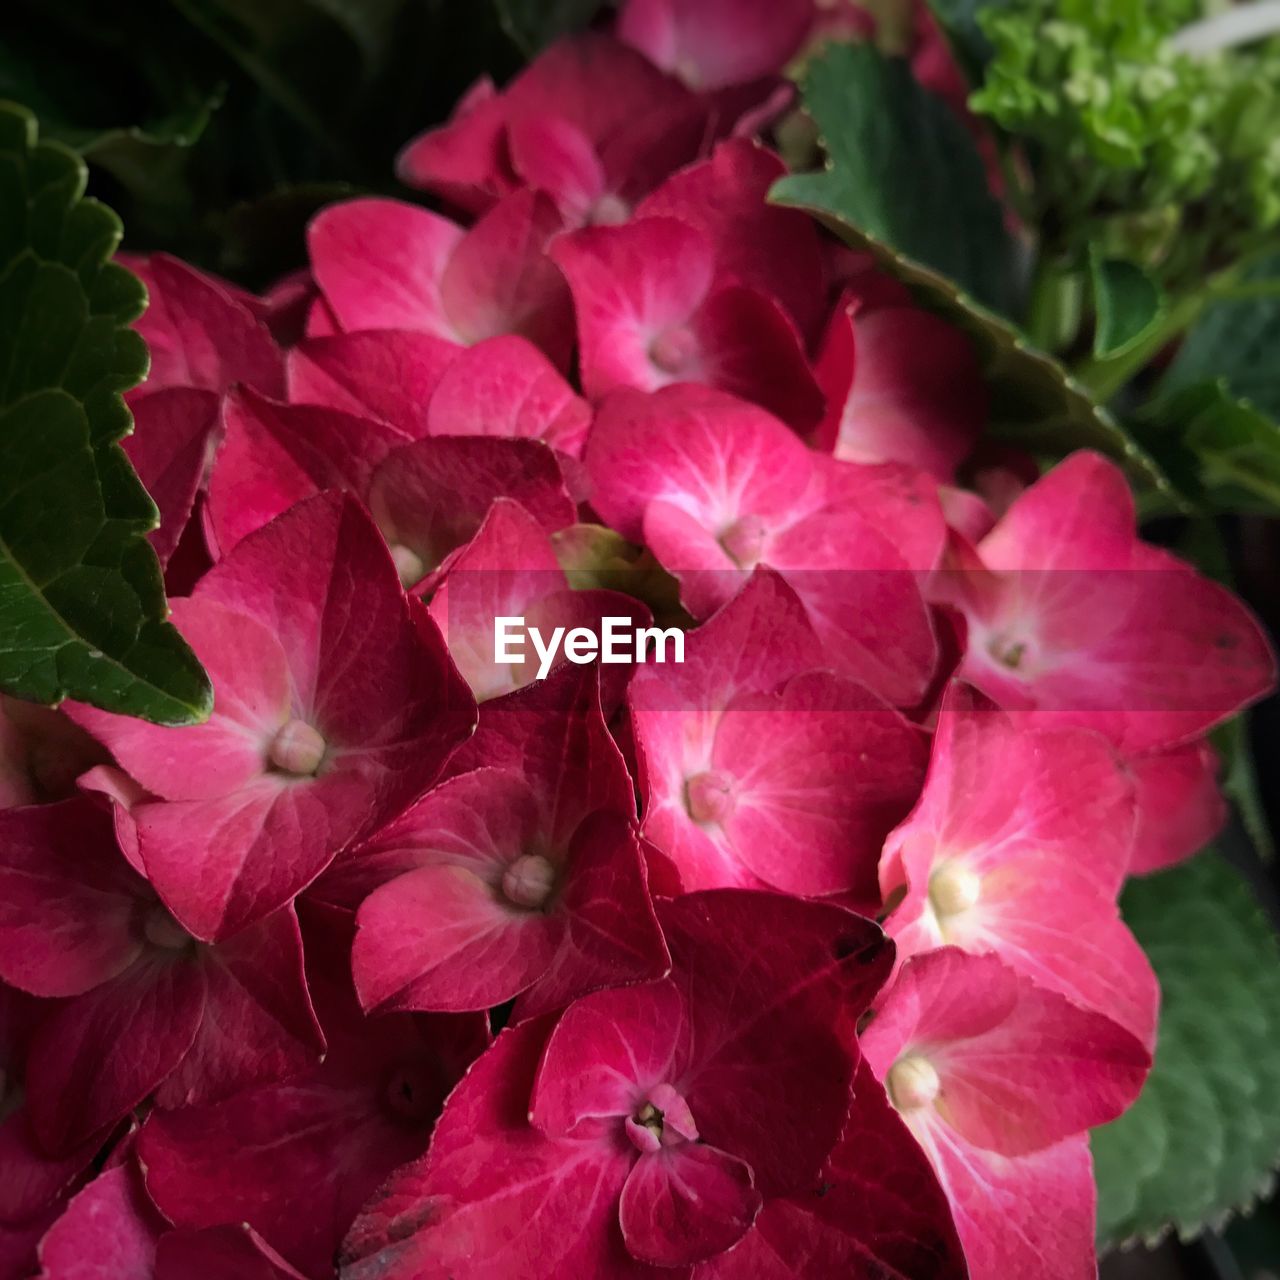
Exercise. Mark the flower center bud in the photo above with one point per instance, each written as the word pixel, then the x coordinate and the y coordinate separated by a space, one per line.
pixel 410 1093
pixel 744 541
pixel 528 881
pixel 674 351
pixel 663 1120
pixel 709 797
pixel 953 889
pixel 913 1083
pixel 1008 651
pixel 163 931
pixel 409 564
pixel 610 211
pixel 297 748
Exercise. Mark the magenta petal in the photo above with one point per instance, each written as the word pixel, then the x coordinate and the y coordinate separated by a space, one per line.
pixel 69 902
pixel 169 448
pixel 379 265
pixel 1180 807
pixel 878 1211
pixel 109 1231
pixel 385 374
pixel 101 1054
pixel 460 1211
pixel 273 455
pixel 686 1203
pixel 220 1253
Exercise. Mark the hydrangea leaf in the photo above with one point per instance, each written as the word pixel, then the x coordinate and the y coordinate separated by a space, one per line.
pixel 1237 340
pixel 533 24
pixel 1127 301
pixel 876 121
pixel 82 607
pixel 1203 1139
pixel 1223 453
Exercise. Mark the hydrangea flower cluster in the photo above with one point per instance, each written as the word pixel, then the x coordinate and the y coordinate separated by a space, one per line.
pixel 805 952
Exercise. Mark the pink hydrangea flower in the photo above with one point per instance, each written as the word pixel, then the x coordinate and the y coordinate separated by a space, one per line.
pixel 653 310
pixel 998 1079
pixel 1070 613
pixel 296 1160
pixel 521 876
pixel 647 1127
pixel 383 264
pixel 757 768
pixel 144 1006
pixel 1019 846
pixel 590 122
pixel 714 487
pixel 1180 807
pixel 335 707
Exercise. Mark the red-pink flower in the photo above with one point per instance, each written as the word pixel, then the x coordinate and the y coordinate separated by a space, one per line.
pixel 1019 846
pixel 335 707
pixel 648 1126
pixel 1179 805
pixel 757 768
pixel 715 487
pixel 42 753
pixel 590 123
pixel 296 1160
pixel 520 877
pixel 654 309
pixel 383 264
pixel 998 1079
pixel 1070 613
pixel 143 1005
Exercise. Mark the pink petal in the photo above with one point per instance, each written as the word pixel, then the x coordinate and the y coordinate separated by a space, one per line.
pixel 199 334
pixel 431 497
pixel 1019 1216
pixel 101 1054
pixel 168 449
pixel 253 694
pixel 878 1211
pixel 1179 806
pixel 220 1253
pixel 380 265
pixel 385 374
pixel 769 1076
pixel 68 900
pixel 1019 1067
pixel 687 1203
pixel 43 752
pixel 713 43
pixel 499 279
pixel 274 455
pixel 505 386
pixel 901 386
pixel 775 250
pixel 108 1231
pixel 606 1054
pixel 461 1210
pixel 465 160
pixel 557 158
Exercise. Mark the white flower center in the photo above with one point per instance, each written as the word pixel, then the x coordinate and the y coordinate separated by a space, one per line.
pixel 913 1083
pixel 297 748
pixel 528 881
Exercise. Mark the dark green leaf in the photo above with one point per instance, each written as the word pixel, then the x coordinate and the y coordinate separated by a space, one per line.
pixel 1238 341
pixel 959 22
pixel 904 171
pixel 1222 452
pixel 82 604
pixel 1127 303
pixel 534 24
pixel 1204 1137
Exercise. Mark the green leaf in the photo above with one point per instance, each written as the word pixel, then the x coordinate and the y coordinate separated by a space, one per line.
pixel 82 607
pixel 534 24
pixel 1237 340
pixel 959 22
pixel 1127 303
pixel 902 168
pixel 1035 402
pixel 1221 452
pixel 1240 783
pixel 1203 1139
